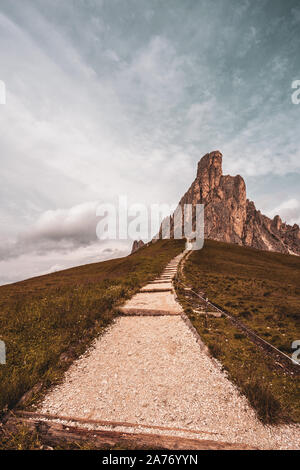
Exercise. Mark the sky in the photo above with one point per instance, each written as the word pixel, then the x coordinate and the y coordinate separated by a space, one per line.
pixel 123 97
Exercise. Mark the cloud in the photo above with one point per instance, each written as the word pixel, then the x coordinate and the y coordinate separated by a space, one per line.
pixel 295 15
pixel 77 224
pixel 104 100
pixel 55 230
pixel 55 268
pixel 249 40
pixel 36 263
pixel 289 211
pixel 59 239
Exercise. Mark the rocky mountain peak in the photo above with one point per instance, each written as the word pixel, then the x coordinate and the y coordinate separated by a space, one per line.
pixel 230 217
pixel 210 164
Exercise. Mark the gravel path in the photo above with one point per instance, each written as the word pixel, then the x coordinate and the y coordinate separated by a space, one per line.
pixel 150 370
pixel 157 297
pixel 153 303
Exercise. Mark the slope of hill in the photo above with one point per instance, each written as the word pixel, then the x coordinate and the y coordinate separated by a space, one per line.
pixel 262 290
pixel 48 321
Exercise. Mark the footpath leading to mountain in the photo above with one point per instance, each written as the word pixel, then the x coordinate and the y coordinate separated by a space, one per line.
pixel 151 380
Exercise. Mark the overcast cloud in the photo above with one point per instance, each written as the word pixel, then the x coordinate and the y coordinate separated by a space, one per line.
pixel 109 97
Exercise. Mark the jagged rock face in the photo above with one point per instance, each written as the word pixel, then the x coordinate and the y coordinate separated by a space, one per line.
pixel 230 217
pixel 137 244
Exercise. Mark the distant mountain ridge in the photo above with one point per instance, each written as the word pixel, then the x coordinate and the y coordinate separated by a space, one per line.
pixel 231 217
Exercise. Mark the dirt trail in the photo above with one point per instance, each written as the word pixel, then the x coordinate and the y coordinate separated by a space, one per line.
pixel 149 369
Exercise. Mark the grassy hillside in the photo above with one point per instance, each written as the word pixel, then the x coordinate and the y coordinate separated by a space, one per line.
pixel 49 320
pixel 261 289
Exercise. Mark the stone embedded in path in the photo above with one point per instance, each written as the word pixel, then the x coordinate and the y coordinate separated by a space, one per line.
pixel 154 303
pixel 204 312
pixel 161 287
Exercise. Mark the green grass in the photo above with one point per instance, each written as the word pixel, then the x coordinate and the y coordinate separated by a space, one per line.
pixel 48 321
pixel 262 290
